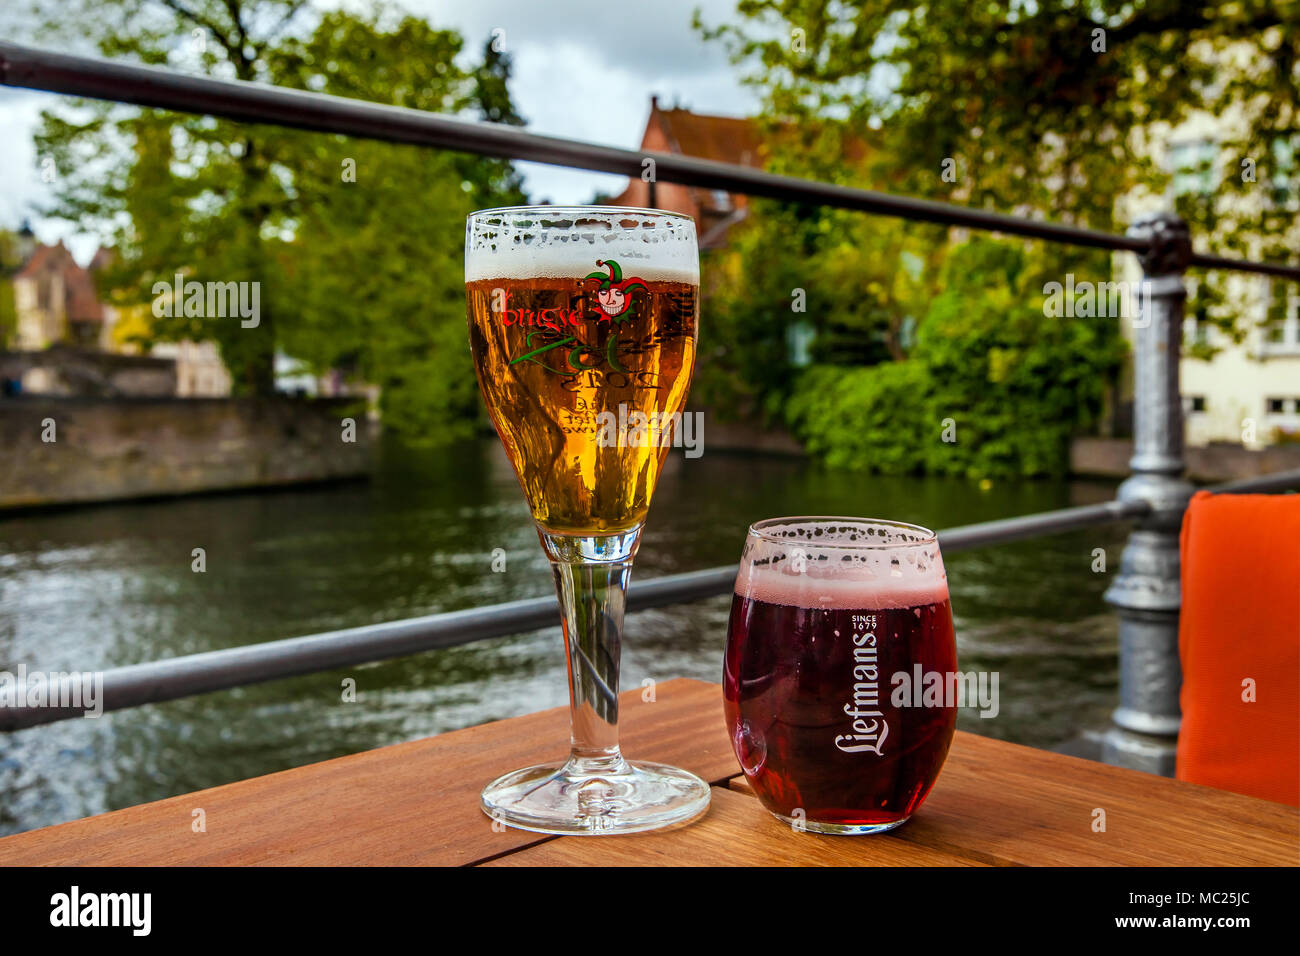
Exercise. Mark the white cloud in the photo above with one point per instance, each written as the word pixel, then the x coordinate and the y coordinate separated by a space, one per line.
pixel 644 39
pixel 583 69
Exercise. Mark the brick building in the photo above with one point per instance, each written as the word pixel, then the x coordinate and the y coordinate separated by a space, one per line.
pixel 724 139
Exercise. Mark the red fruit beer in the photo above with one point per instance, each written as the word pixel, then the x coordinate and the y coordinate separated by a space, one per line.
pixel 826 612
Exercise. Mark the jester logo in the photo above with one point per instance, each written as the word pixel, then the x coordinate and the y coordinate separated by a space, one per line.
pixel 612 293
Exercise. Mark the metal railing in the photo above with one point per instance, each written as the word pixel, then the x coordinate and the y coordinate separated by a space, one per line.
pixel 1145 592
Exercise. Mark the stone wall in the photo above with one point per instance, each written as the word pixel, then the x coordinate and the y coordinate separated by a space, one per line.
pixel 106 450
pixel 1089 457
pixel 739 436
pixel 1211 463
pixel 66 371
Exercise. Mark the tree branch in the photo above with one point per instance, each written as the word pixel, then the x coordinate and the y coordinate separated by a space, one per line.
pixel 180 9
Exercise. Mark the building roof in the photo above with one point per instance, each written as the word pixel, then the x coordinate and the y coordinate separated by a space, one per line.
pixel 43 259
pixel 80 297
pixel 739 141
pixel 724 139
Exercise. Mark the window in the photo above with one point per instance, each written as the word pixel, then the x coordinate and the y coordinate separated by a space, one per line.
pixel 1196 330
pixel 1195 403
pixel 1285 178
pixel 1193 167
pixel 722 200
pixel 799 339
pixel 1282 317
pixel 1276 406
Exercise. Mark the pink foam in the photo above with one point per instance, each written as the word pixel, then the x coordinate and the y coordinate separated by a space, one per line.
pixel 844 592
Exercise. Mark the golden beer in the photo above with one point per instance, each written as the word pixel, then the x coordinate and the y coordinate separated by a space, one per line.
pixel 582 326
pixel 556 370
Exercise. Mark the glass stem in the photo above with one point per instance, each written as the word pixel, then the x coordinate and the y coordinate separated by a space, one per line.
pixel 591 576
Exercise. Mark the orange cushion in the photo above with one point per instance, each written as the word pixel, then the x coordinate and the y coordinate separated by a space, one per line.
pixel 1241 624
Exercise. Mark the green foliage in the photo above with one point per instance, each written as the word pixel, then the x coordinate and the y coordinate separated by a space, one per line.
pixel 864 419
pixel 357 245
pixel 8 313
pixel 376 281
pixel 858 283
pixel 1019 91
pixel 9 262
pixel 989 370
pixel 1056 106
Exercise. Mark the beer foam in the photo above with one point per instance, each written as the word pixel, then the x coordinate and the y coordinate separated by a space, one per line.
pixel 838 594
pixel 842 564
pixel 547 242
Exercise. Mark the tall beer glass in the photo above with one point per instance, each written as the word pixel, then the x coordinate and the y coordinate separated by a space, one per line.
pixel 582 324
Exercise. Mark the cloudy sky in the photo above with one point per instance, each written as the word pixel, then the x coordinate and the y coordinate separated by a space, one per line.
pixel 583 69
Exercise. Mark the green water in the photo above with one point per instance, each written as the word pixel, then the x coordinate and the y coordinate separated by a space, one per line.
pixel 100 587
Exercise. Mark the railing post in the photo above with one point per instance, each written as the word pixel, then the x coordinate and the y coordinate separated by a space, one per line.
pixel 1147 592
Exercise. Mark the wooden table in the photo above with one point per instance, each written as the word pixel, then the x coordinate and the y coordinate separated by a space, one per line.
pixel 417 804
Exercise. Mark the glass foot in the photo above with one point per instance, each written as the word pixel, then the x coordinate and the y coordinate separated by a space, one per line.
pixel 626 798
pixel 841 829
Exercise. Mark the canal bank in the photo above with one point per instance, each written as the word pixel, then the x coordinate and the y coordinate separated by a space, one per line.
pixel 68 451
pixel 59 452
pixel 1090 457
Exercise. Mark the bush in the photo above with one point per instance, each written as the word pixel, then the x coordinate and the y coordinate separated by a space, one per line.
pixel 1005 385
pixel 866 419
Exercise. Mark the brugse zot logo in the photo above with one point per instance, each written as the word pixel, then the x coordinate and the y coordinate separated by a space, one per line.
pixel 613 296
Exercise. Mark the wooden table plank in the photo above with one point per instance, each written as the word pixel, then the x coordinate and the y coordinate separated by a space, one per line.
pixel 414 803
pixel 417 803
pixel 1003 804
pixel 1014 804
pixel 736 831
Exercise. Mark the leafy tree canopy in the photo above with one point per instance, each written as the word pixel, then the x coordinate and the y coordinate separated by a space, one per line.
pixel 1056 108
pixel 1041 104
pixel 357 244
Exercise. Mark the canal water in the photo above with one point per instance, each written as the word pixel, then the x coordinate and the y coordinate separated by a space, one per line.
pixel 100 587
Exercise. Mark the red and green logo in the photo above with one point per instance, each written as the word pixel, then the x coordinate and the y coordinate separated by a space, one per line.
pixel 612 293
pixel 613 296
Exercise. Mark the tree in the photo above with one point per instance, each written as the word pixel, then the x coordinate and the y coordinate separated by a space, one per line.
pixel 1054 107
pixel 856 285
pixel 177 192
pixel 10 261
pixel 1035 102
pixel 374 272
pixel 356 244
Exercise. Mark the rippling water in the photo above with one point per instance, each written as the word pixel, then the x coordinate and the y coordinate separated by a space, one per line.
pixel 101 587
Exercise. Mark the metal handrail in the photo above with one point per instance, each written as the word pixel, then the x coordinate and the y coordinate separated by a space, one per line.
pixel 302 109
pixel 173 678
pixel 1146 592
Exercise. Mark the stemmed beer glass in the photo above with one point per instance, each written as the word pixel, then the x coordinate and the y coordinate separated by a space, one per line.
pixel 582 324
